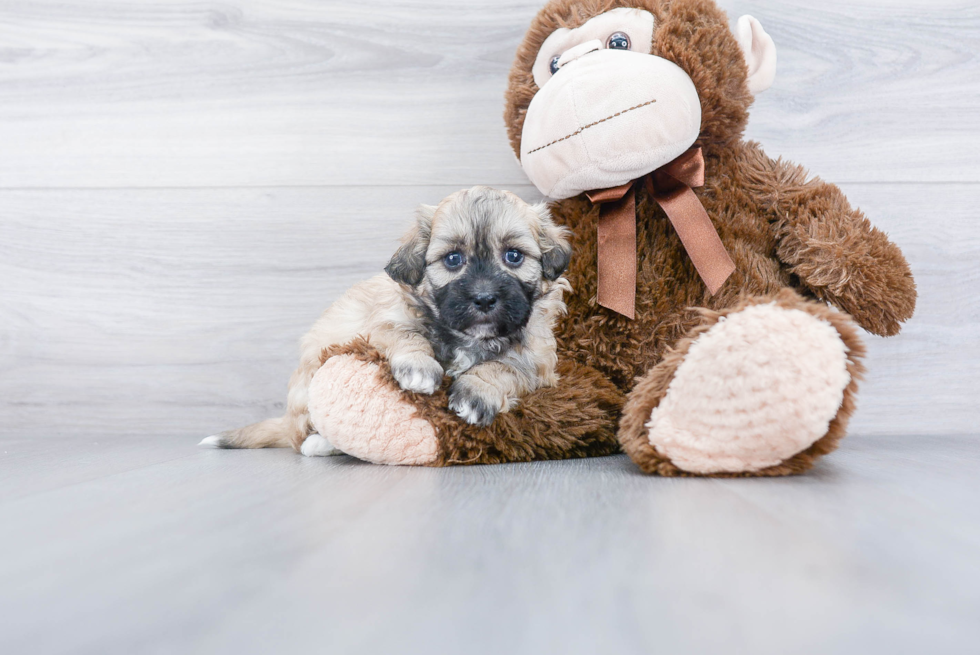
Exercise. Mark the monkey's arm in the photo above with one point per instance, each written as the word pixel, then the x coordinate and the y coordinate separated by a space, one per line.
pixel 831 247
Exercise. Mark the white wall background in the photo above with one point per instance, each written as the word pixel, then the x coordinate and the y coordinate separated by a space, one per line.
pixel 184 186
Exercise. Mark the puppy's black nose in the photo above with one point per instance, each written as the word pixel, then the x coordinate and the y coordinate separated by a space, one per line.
pixel 485 302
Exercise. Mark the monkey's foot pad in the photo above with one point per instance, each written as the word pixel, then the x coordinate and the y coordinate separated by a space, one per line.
pixel 758 387
pixel 362 413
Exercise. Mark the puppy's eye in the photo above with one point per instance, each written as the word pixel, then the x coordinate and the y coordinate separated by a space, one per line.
pixel 618 41
pixel 514 257
pixel 554 64
pixel 453 260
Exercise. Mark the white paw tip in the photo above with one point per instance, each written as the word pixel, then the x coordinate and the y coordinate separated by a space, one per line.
pixel 468 412
pixel 214 441
pixel 418 382
pixel 317 446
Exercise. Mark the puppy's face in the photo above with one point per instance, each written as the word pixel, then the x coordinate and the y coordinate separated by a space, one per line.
pixel 480 259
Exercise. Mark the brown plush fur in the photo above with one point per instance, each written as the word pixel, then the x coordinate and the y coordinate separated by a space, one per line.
pixel 794 240
pixel 779 230
pixel 576 418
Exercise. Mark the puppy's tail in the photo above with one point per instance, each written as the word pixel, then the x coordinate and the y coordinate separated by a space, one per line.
pixel 281 432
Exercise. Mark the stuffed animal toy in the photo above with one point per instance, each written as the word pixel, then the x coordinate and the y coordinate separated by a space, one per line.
pixel 711 327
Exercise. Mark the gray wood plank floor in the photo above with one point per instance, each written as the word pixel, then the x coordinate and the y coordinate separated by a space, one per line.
pixel 185 186
pixel 141 544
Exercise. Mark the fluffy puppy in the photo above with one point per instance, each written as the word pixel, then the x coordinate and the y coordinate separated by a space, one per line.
pixel 473 292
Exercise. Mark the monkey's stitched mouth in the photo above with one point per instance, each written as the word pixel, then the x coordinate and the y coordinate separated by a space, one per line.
pixel 593 124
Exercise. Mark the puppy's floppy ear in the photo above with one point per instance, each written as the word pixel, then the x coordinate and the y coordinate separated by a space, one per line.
pixel 556 252
pixel 407 265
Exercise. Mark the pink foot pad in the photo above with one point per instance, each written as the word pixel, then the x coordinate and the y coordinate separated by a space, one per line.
pixel 760 386
pixel 363 414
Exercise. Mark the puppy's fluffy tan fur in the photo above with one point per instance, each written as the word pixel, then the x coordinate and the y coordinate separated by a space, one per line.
pixel 398 314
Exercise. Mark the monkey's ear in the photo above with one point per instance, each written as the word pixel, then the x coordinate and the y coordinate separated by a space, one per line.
pixel 556 251
pixel 407 265
pixel 759 52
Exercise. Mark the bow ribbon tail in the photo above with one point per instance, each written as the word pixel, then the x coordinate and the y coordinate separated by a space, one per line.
pixel 616 232
pixel 696 232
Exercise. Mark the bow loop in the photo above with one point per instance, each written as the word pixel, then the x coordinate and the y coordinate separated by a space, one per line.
pixel 688 169
pixel 611 194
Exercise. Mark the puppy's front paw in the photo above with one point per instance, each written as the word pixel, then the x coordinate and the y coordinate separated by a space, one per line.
pixel 474 402
pixel 417 372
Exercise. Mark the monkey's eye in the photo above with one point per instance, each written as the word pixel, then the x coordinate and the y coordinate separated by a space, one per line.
pixel 453 260
pixel 618 41
pixel 514 257
pixel 554 64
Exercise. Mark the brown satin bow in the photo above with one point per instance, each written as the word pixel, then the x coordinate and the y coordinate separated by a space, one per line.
pixel 670 185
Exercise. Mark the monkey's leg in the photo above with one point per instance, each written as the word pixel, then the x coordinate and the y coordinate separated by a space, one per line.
pixel 763 388
pixel 357 405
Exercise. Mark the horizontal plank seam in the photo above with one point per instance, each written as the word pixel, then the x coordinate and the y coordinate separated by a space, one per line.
pixel 455 185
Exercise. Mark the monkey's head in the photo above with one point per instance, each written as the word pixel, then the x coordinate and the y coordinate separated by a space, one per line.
pixel 605 91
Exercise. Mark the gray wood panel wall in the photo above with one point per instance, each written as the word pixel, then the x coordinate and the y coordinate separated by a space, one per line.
pixel 185 186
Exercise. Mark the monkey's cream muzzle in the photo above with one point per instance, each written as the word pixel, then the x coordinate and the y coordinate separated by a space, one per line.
pixel 605 118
